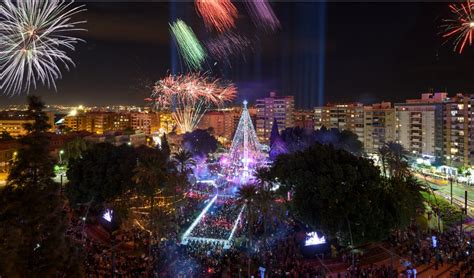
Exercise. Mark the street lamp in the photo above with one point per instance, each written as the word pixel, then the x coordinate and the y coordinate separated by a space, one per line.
pixel 451 185
pixel 61 152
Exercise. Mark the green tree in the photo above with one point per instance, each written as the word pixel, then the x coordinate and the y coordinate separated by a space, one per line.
pixel 266 200
pixel 33 223
pixel 383 154
pixel 199 142
pixel 102 173
pixel 247 195
pixel 397 160
pixel 179 180
pixel 184 160
pixel 75 148
pixel 343 195
pixel 150 177
pixel 165 146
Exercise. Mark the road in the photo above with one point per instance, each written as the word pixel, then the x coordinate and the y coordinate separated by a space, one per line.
pixel 458 194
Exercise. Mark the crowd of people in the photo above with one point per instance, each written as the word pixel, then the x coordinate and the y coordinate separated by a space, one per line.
pixel 132 252
pixel 118 255
pixel 219 220
pixel 435 248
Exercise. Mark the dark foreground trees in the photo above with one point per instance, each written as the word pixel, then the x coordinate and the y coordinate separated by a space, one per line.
pixel 33 221
pixel 102 173
pixel 299 139
pixel 343 195
pixel 199 142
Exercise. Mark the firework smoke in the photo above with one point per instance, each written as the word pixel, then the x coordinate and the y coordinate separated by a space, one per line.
pixel 227 45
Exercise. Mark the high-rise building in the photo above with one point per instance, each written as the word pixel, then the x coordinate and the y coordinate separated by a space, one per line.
pixel 222 124
pixel 97 122
pixel 304 118
pixel 458 130
pixel 380 125
pixel 279 108
pixel 141 121
pixel 420 124
pixel 120 121
pixel 344 117
pixel 318 117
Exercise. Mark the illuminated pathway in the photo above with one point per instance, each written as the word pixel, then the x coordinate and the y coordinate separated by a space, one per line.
pixel 196 221
pixel 226 243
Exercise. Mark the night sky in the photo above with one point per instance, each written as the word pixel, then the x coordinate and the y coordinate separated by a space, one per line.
pixel 324 52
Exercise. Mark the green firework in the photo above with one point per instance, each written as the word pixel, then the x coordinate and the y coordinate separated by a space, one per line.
pixel 189 46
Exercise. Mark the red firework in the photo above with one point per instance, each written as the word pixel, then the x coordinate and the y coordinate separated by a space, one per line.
pixel 461 27
pixel 217 14
pixel 191 95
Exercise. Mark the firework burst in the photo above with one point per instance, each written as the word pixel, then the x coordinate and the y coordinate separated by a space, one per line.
pixel 189 46
pixel 227 45
pixel 34 42
pixel 191 95
pixel 217 14
pixel 460 28
pixel 262 15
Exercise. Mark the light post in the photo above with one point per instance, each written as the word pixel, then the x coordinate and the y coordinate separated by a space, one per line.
pixel 61 152
pixel 451 185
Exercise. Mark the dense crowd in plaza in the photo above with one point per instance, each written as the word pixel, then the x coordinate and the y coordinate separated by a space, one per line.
pixel 131 252
pixel 218 222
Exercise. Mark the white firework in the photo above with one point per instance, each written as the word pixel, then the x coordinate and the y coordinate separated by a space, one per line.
pixel 34 42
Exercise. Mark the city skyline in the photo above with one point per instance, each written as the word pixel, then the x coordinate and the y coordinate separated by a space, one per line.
pixel 228 138
pixel 127 49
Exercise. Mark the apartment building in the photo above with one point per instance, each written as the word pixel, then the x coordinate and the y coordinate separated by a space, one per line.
pixel 279 108
pixel 379 126
pixel 420 124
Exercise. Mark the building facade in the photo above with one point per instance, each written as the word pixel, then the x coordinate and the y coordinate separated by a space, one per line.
pixel 348 116
pixel 318 117
pixel 420 124
pixel 380 126
pixel 13 121
pixel 279 108
pixel 458 130
pixel 221 123
pixel 304 119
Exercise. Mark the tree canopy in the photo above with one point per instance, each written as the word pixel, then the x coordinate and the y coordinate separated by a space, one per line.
pixel 103 172
pixel 199 142
pixel 299 139
pixel 342 194
pixel 33 241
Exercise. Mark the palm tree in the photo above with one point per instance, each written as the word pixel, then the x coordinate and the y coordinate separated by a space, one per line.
pixel 383 153
pixel 266 198
pixel 397 160
pixel 184 159
pixel 247 195
pixel 150 177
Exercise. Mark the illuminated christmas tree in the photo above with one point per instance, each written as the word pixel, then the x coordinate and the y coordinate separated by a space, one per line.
pixel 246 153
